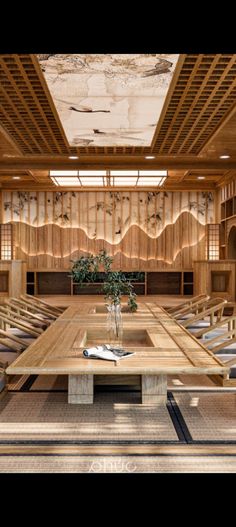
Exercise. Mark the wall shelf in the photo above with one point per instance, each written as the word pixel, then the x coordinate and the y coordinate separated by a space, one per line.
pixel 228 216
pixel 152 283
pixel 228 209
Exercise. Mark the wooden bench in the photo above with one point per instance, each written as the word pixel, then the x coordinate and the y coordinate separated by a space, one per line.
pixel 186 304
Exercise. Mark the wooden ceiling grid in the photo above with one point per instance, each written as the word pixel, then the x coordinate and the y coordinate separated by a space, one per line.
pixel 25 109
pixel 6 146
pixel 205 91
pixel 201 97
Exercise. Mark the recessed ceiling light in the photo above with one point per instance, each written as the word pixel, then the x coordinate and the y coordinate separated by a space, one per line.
pixel 73 157
pixel 16 177
pixel 149 157
pixel 201 177
pixel 224 157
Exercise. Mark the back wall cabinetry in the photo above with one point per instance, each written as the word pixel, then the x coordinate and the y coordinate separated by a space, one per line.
pixel 41 282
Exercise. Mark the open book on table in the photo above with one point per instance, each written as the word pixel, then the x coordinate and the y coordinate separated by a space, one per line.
pixel 106 352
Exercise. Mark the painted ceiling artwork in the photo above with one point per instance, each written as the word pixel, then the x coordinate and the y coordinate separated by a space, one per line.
pixel 110 99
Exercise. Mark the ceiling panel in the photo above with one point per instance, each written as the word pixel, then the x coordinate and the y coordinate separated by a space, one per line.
pixel 204 92
pixel 26 111
pixel 198 120
pixel 108 99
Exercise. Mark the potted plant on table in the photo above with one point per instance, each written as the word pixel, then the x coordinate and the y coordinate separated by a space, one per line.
pixel 115 285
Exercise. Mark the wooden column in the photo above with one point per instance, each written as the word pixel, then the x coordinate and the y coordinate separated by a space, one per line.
pixel 16 277
pixel 154 389
pixel 80 389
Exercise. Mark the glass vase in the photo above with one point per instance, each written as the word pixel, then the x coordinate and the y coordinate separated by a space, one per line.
pixel 114 324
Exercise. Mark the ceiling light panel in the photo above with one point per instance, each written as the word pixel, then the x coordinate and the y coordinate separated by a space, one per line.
pixel 67 182
pixel 124 172
pixel 153 172
pixel 92 182
pixel 63 172
pixel 125 182
pixel 92 172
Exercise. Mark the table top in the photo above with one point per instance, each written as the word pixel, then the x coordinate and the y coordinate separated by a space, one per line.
pixel 160 343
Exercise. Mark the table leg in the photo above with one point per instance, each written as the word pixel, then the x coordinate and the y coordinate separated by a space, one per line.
pixel 154 389
pixel 80 389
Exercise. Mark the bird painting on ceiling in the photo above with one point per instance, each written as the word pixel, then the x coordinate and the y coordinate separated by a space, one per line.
pixel 81 109
pixel 163 66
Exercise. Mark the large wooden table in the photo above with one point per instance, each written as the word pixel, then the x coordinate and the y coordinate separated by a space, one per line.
pixel 161 347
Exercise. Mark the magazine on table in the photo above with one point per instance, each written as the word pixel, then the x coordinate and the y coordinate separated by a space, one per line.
pixel 107 352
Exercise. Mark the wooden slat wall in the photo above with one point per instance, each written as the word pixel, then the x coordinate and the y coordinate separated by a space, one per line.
pixel 141 230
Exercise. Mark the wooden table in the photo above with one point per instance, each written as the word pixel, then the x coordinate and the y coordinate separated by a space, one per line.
pixel 161 347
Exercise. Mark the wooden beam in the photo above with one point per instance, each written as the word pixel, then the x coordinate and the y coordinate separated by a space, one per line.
pixel 86 162
pixel 198 186
pixel 179 162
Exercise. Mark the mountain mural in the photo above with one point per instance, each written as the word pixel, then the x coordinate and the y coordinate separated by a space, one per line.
pixel 52 246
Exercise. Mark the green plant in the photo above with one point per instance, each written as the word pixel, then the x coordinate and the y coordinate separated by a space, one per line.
pixel 88 269
pixel 116 285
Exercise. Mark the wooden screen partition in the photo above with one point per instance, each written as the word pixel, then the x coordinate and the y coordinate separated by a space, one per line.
pixel 146 231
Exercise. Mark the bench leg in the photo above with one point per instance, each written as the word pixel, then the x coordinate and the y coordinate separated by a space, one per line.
pixel 80 389
pixel 154 389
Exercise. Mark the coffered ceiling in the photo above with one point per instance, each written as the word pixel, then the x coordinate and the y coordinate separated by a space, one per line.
pixel 197 124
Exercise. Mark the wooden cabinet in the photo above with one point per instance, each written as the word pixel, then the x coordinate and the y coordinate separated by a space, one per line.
pixel 188 283
pixel 152 283
pixel 215 278
pixel 164 283
pixel 50 283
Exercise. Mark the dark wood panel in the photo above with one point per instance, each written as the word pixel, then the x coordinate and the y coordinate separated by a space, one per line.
pixel 30 289
pixel 188 277
pixel 220 281
pixel 50 283
pixel 164 283
pixel 87 289
pixel 4 281
pixel 30 277
pixel 188 289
